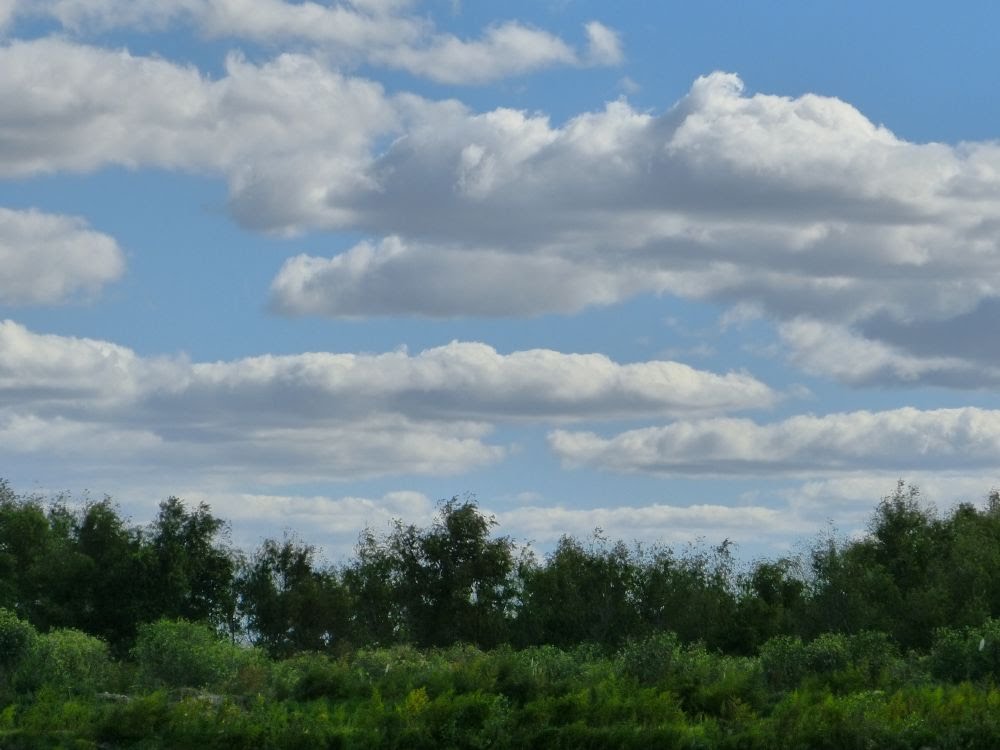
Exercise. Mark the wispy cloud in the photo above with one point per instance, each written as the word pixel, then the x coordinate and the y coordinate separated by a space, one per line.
pixel 389 34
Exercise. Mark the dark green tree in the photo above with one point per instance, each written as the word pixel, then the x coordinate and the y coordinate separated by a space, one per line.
pixel 772 603
pixel 582 594
pixel 693 595
pixel 451 582
pixel 290 605
pixel 190 568
pixel 112 585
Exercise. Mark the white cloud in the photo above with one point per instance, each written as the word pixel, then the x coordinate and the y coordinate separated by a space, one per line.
pixel 837 351
pixel 798 208
pixel 604 45
pixel 383 33
pixel 792 207
pixel 47 258
pixel 458 381
pixel 898 440
pixel 322 415
pixel 7 8
pixel 656 522
pixel 398 278
pixel 333 524
pixel 507 49
pixel 81 108
pixel 854 497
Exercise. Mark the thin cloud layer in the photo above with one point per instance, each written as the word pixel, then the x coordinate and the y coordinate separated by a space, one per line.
pixel 657 522
pixel 323 415
pixel 901 440
pixel 52 259
pixel 334 523
pixel 389 34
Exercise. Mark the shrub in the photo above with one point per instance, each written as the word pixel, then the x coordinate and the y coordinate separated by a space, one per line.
pixel 784 661
pixel 177 653
pixel 966 653
pixel 651 661
pixel 17 639
pixel 66 661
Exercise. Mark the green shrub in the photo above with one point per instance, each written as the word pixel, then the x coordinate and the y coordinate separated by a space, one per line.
pixel 652 660
pixel 323 677
pixel 177 653
pixel 67 661
pixel 17 638
pixel 966 653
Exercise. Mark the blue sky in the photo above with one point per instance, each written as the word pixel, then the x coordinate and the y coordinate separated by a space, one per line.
pixel 717 270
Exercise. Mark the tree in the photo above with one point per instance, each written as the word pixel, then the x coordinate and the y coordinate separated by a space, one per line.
pixel 693 595
pixel 288 604
pixel 436 586
pixel 582 594
pixel 189 568
pixel 772 603
pixel 112 594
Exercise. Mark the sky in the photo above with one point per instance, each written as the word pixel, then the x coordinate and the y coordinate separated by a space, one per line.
pixel 674 271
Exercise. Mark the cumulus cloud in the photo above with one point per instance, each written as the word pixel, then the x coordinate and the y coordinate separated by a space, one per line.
pixel 395 277
pixel 383 33
pixel 48 258
pixel 799 208
pixel 896 440
pixel 796 207
pixel 7 8
pixel 334 523
pixel 323 415
pixel 331 523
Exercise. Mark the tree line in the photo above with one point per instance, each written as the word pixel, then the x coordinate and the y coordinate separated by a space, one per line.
pixel 88 568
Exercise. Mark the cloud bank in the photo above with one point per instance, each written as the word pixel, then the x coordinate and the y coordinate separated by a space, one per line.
pixel 899 440
pixel 800 210
pixel 321 415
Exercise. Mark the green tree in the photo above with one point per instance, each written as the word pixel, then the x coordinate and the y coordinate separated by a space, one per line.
pixel 190 569
pixel 178 653
pixel 772 602
pixel 582 594
pixel 289 605
pixel 692 595
pixel 112 584
pixel 451 582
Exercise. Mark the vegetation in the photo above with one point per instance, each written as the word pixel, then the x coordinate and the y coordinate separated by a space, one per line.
pixel 113 635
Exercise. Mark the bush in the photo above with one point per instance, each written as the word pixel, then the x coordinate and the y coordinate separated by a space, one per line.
pixel 651 661
pixel 322 677
pixel 67 661
pixel 177 653
pixel 966 653
pixel 17 638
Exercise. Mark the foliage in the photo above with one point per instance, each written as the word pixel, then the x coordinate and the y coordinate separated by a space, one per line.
pixel 435 586
pixel 17 638
pixel 67 661
pixel 583 594
pixel 288 603
pixel 446 636
pixel 178 653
